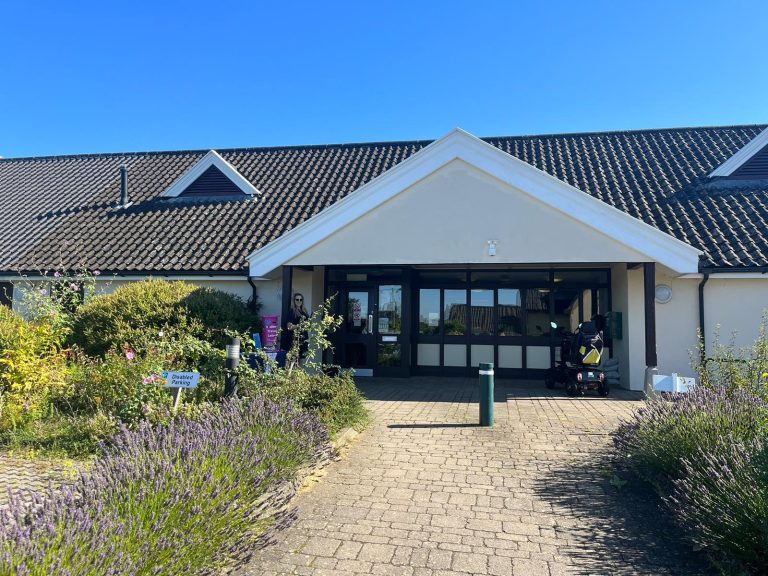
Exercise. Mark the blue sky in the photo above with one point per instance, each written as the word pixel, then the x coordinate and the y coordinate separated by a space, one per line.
pixel 80 77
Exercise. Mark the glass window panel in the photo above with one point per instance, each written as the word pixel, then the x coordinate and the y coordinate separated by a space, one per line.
pixel 356 354
pixel 429 311
pixel 442 276
pixel 567 313
pixel 389 354
pixel 455 316
pixel 390 309
pixel 481 353
pixel 511 277
pixel 537 357
pixel 482 312
pixel 509 311
pixel 537 310
pixel 428 354
pixel 510 356
pixel 454 355
pixel 581 276
pixel 586 298
pixel 357 312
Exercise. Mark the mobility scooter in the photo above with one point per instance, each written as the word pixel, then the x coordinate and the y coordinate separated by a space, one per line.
pixel 579 363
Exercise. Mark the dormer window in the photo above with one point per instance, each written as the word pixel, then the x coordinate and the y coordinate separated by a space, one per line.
pixel 749 163
pixel 211 177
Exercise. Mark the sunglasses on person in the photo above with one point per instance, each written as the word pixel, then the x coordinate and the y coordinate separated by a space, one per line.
pixel 299 299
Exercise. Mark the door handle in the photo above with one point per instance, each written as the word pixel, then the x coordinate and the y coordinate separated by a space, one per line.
pixel 370 323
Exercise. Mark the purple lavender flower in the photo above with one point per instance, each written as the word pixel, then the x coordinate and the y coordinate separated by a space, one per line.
pixel 169 499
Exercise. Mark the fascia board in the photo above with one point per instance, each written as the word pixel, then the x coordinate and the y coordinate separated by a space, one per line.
pixel 348 209
pixel 106 278
pixel 458 144
pixel 742 156
pixel 212 158
pixel 729 276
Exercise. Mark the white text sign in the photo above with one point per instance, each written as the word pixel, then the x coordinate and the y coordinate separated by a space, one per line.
pixel 181 379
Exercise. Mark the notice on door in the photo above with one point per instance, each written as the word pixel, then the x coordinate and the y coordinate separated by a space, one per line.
pixel 356 314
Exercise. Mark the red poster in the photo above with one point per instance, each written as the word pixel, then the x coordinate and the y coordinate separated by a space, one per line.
pixel 271 326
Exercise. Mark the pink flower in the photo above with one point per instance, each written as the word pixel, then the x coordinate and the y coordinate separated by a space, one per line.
pixel 130 354
pixel 74 287
pixel 97 272
pixel 57 274
pixel 43 291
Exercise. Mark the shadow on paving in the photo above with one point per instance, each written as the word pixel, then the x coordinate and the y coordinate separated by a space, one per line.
pixel 618 531
pixel 467 390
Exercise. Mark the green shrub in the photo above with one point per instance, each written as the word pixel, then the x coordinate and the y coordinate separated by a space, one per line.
pixel 729 366
pixel 335 399
pixel 32 368
pixel 115 385
pixel 661 435
pixel 136 314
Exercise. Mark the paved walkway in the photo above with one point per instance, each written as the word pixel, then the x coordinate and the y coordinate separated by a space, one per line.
pixel 24 474
pixel 426 492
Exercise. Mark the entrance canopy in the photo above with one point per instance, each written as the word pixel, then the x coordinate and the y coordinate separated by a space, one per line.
pixel 461 200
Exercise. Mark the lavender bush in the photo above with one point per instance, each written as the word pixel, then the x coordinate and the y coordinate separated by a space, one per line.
pixel 173 499
pixel 722 499
pixel 662 434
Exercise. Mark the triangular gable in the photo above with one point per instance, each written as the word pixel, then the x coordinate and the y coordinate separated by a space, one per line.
pixel 754 152
pixel 212 182
pixel 637 236
pixel 206 172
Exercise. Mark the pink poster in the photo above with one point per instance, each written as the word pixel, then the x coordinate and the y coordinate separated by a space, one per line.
pixel 271 326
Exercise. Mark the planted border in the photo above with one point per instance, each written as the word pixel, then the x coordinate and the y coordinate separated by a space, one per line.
pixel 166 500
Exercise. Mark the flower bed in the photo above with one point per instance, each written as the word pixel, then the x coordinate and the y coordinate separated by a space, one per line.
pixel 706 454
pixel 167 499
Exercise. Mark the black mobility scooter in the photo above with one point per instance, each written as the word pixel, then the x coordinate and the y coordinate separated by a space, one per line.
pixel 580 355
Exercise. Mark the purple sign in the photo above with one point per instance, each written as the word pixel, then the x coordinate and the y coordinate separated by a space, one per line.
pixel 271 326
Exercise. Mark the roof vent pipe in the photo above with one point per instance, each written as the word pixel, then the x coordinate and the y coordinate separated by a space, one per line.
pixel 124 199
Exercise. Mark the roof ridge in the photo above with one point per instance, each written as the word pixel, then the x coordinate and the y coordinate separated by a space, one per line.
pixel 627 131
pixel 360 144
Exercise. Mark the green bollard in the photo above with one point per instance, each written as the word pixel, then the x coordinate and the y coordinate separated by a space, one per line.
pixel 486 394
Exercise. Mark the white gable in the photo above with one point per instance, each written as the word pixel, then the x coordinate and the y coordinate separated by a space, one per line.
pixel 212 158
pixel 445 203
pixel 742 156
pixel 451 216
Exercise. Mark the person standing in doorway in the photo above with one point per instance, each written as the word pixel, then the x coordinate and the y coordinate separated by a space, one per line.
pixel 296 315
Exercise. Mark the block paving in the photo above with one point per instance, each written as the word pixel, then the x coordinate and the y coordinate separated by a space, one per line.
pixel 22 475
pixel 425 491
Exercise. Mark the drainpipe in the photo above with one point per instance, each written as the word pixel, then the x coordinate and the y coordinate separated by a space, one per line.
pixel 254 295
pixel 703 342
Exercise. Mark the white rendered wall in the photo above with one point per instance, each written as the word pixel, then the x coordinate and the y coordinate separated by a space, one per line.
pixel 677 324
pixel 448 218
pixel 737 306
pixel 239 287
pixel 627 298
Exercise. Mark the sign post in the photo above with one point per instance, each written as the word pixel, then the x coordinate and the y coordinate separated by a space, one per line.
pixel 178 381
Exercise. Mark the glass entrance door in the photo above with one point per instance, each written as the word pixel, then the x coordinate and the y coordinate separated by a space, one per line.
pixel 357 348
pixel 373 338
pixel 389 330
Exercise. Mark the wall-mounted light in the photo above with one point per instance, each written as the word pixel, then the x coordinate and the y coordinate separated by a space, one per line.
pixel 663 293
pixel 492 247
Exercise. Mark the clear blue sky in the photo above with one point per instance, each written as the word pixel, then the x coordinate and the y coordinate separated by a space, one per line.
pixel 108 76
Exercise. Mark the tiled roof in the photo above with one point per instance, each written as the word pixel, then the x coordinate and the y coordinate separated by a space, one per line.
pixel 61 211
